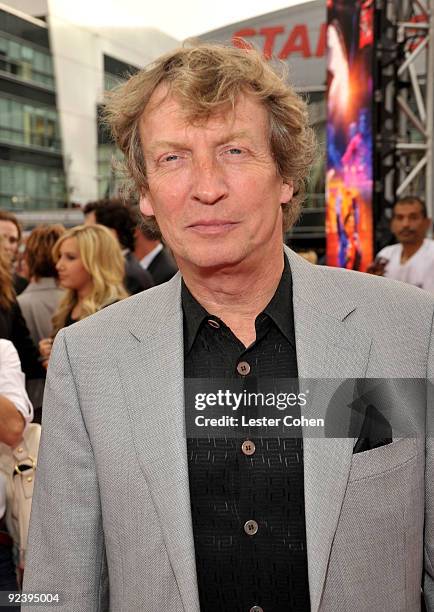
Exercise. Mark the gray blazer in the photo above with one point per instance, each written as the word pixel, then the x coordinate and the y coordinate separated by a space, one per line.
pixel 111 506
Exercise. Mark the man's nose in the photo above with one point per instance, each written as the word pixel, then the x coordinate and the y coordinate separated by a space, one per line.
pixel 209 184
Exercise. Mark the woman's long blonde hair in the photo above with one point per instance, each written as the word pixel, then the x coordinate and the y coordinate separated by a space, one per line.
pixel 102 258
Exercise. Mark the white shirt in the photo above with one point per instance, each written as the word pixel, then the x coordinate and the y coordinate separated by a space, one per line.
pixel 12 380
pixel 12 386
pixel 149 258
pixel 418 270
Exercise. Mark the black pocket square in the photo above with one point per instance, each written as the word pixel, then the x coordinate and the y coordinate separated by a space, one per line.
pixel 376 431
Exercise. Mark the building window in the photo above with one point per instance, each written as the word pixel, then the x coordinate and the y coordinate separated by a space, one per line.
pixel 25 187
pixel 28 124
pixel 110 178
pixel 26 62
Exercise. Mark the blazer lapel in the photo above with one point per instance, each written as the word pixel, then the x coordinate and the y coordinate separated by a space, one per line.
pixel 153 377
pixel 328 347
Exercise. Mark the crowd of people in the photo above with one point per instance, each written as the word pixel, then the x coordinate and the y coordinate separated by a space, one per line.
pixel 59 277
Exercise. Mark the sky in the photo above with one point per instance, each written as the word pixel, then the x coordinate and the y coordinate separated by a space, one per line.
pixel 179 19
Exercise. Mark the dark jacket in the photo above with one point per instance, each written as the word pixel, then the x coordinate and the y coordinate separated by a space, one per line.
pixel 14 328
pixel 162 267
pixel 20 283
pixel 136 278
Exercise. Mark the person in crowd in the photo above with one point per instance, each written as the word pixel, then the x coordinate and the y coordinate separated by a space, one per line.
pixel 149 514
pixel 90 267
pixel 150 252
pixel 12 324
pixel 117 217
pixel 10 229
pixel 41 297
pixel 15 411
pixel 411 260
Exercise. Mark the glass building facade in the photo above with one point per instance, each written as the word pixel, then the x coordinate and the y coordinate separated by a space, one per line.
pixel 25 61
pixel 27 124
pixel 31 164
pixel 110 176
pixel 30 187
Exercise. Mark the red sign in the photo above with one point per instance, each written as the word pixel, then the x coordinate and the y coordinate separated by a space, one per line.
pixel 298 41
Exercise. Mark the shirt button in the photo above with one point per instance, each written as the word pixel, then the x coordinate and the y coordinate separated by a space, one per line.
pixel 213 323
pixel 251 527
pixel 243 368
pixel 256 609
pixel 248 447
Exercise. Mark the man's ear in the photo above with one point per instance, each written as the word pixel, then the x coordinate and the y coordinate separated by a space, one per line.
pixel 145 205
pixel 287 191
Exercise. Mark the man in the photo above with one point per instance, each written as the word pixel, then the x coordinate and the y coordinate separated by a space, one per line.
pixel 118 218
pixel 15 411
pixel 151 253
pixel 10 229
pixel 412 259
pixel 147 517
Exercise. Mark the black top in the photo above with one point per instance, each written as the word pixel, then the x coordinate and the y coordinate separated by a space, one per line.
pixel 235 570
pixel 13 327
pixel 20 283
pixel 136 278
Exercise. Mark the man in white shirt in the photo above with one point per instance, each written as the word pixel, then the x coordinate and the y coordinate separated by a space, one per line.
pixel 15 412
pixel 15 407
pixel 412 259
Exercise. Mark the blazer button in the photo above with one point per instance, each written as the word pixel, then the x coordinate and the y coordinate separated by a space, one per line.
pixel 256 609
pixel 243 368
pixel 248 447
pixel 251 527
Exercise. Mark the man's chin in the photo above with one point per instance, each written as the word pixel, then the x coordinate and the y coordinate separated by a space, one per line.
pixel 213 259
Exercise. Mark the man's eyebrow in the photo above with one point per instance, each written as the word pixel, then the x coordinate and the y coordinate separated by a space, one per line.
pixel 174 144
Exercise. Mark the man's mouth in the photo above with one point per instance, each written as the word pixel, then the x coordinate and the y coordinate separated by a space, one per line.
pixel 212 226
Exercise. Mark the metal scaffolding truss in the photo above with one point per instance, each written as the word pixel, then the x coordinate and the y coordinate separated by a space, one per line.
pixel 404 101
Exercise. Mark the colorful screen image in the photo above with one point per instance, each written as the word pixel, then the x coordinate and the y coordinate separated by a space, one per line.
pixel 349 181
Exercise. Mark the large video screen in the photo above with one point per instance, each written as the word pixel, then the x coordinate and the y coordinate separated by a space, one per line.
pixel 349 180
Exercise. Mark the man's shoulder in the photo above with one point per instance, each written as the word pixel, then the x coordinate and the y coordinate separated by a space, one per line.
pixel 429 244
pixel 388 251
pixel 339 290
pixel 368 288
pixel 111 322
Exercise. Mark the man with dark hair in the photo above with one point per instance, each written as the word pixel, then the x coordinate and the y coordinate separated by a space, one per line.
pixel 150 252
pixel 411 260
pixel 117 217
pixel 10 229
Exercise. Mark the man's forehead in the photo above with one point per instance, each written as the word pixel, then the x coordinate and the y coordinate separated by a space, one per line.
pixel 165 103
pixel 408 208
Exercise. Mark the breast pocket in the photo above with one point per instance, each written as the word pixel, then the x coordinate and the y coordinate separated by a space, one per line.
pixel 383 459
pixel 377 550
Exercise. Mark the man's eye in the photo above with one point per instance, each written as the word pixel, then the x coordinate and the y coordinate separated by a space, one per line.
pixel 235 151
pixel 171 157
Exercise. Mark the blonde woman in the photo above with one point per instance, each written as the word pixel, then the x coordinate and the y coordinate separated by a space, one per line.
pixel 90 266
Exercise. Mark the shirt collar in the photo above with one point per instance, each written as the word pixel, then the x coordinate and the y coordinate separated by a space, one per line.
pixel 279 310
pixel 146 261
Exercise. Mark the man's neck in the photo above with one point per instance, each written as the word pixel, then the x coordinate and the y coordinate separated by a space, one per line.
pixel 237 296
pixel 408 250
